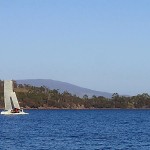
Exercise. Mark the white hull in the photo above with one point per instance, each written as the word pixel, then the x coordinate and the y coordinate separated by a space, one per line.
pixel 10 113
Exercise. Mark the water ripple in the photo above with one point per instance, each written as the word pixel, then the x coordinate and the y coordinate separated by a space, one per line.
pixel 76 130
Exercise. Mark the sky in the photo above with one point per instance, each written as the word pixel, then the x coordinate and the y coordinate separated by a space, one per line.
pixel 102 45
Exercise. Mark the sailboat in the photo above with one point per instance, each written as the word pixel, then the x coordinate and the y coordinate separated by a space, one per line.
pixel 12 106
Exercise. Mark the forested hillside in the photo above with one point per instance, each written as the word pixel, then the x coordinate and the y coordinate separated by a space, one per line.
pixel 63 86
pixel 42 97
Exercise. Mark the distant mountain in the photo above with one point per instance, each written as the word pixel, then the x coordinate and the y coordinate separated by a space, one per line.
pixel 63 86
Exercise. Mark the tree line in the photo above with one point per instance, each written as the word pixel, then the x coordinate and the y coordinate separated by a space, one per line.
pixel 42 97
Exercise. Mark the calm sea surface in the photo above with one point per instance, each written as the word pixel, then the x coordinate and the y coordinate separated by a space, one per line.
pixel 76 130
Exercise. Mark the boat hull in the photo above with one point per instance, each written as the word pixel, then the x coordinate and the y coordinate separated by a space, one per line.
pixel 10 113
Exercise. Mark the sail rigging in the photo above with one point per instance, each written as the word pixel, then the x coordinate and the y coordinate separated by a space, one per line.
pixel 11 101
pixel 10 96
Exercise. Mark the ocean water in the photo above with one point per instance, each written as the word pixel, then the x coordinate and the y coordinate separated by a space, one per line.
pixel 76 130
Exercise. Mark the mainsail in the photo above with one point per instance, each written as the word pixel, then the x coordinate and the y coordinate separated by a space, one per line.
pixel 10 96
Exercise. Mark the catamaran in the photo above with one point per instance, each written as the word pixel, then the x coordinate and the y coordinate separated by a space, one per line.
pixel 12 106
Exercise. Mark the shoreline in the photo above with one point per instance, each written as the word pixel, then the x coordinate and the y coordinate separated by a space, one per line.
pixel 83 108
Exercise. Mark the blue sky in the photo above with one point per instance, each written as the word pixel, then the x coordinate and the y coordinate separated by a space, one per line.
pixel 98 44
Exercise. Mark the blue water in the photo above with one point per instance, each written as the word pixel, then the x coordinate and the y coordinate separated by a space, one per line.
pixel 76 130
